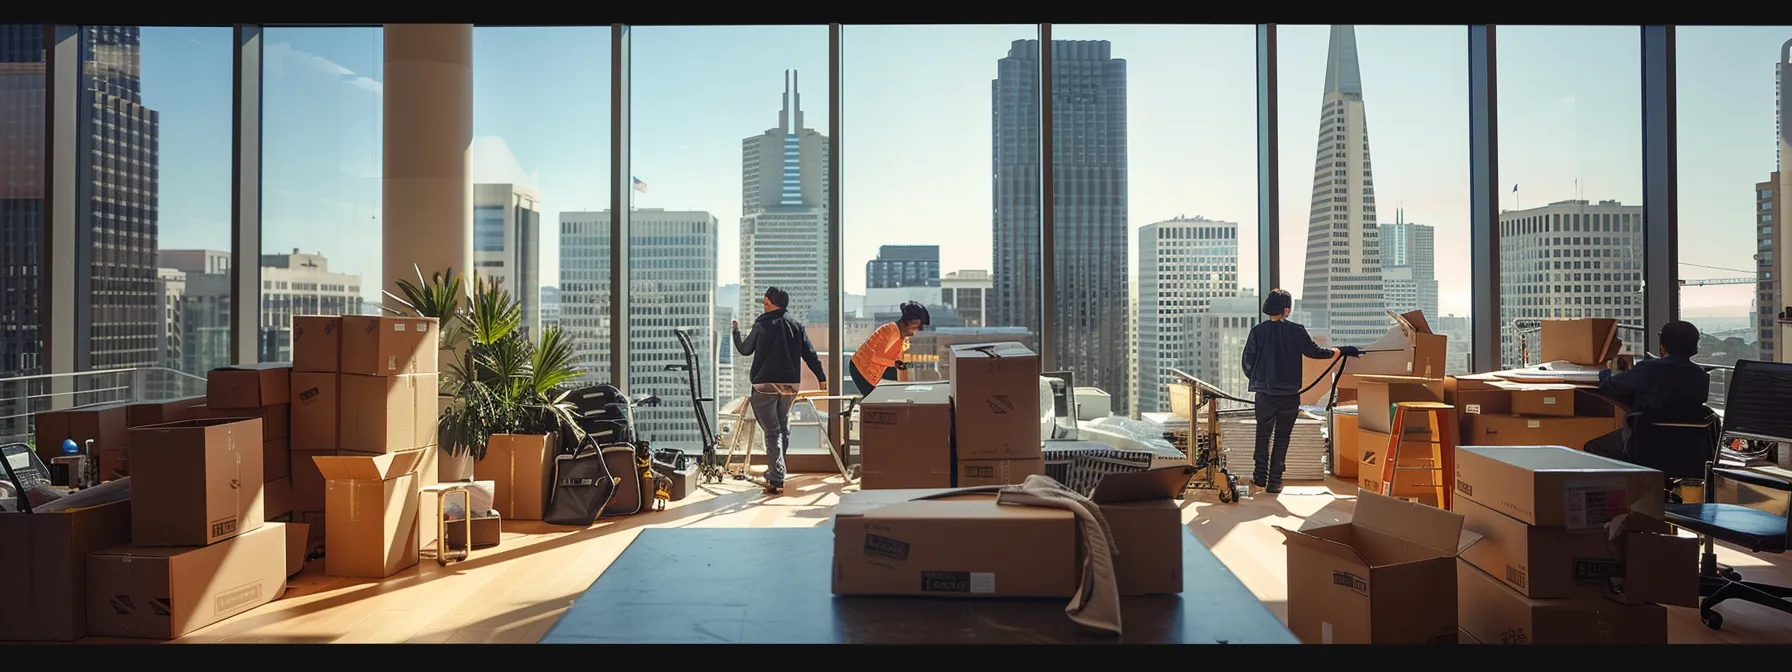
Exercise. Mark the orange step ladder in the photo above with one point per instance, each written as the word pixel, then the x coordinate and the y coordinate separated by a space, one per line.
pixel 1440 420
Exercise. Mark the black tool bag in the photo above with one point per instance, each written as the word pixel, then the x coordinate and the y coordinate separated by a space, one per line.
pixel 583 486
pixel 604 414
pixel 626 499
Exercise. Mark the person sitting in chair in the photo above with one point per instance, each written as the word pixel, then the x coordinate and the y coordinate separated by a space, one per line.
pixel 1671 388
pixel 880 357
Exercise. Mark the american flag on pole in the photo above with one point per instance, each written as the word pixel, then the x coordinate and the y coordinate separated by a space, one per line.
pixel 639 185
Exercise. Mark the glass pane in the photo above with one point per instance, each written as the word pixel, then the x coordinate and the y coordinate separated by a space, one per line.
pixel 1362 231
pixel 321 178
pixel 1733 137
pixel 730 161
pixel 1571 221
pixel 22 223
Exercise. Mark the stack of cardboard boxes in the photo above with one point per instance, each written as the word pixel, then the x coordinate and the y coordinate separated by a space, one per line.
pixel 261 391
pixel 1499 412
pixel 108 427
pixel 1573 549
pixel 200 550
pixel 364 392
pixel 981 428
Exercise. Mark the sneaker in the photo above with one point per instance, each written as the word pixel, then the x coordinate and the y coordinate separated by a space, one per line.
pixel 1273 488
pixel 1257 482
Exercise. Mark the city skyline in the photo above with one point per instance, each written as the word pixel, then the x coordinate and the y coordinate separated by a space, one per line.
pixel 1418 99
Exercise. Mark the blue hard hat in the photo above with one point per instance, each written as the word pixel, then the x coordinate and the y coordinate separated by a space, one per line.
pixel 69 447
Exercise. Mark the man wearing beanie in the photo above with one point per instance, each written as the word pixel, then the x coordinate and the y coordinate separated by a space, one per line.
pixel 1272 357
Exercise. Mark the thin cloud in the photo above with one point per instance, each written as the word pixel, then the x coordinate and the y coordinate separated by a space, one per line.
pixel 284 52
pixel 1570 100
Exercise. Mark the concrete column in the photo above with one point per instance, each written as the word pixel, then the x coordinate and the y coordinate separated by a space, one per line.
pixel 428 194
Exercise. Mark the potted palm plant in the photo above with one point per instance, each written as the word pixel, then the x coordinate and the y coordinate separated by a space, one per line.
pixel 500 388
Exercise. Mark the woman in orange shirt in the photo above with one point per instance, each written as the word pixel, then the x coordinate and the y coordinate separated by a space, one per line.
pixel 880 357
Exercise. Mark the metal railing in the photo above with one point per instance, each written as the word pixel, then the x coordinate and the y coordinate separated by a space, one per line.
pixel 23 397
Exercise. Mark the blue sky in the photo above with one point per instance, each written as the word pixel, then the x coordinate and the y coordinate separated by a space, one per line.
pixel 917 128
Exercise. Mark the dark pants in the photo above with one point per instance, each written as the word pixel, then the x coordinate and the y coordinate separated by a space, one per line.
pixel 865 386
pixel 773 413
pixel 1275 422
pixel 1610 444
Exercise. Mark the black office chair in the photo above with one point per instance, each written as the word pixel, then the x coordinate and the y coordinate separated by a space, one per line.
pixel 1678 449
pixel 1754 409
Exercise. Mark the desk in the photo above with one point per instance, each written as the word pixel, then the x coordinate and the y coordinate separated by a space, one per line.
pixel 772 585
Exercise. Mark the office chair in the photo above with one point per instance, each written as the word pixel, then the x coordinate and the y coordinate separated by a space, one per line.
pixel 1677 449
pixel 1754 409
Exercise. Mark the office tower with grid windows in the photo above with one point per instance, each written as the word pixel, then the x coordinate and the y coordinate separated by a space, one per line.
pixel 1090 294
pixel 1184 265
pixel 507 244
pixel 1566 260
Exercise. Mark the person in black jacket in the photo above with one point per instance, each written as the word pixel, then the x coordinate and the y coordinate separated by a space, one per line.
pixel 1672 388
pixel 1272 356
pixel 778 344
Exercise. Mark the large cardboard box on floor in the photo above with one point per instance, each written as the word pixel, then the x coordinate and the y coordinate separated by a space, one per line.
pixel 43 567
pixel 163 593
pixel 248 386
pixel 942 543
pixel 995 401
pixel 316 403
pixel 370 509
pixel 905 437
pixel 388 346
pixel 383 414
pixel 1553 486
pixel 521 467
pixel 1495 614
pixel 197 482
pixel 1639 556
pixel 974 473
pixel 316 344
pixel 1388 576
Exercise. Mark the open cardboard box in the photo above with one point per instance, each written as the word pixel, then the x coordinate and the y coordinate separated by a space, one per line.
pixel 1387 576
pixel 1409 348
pixel 370 509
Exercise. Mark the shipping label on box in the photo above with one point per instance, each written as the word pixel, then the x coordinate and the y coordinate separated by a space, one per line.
pixel 974 473
pixel 196 482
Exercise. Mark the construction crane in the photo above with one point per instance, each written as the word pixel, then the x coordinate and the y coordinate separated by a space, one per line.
pixel 1716 281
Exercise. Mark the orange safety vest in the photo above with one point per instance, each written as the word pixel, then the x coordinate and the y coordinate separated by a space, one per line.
pixel 880 352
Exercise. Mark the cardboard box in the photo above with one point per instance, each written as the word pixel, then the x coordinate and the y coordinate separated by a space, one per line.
pixel 164 593
pixel 276 459
pixel 1643 559
pixel 316 398
pixel 106 425
pixel 905 437
pixel 196 482
pixel 44 560
pixel 995 399
pixel 883 545
pixel 1345 450
pixel 276 420
pixel 521 466
pixel 1407 349
pixel 1544 400
pixel 248 386
pixel 370 509
pixel 1146 522
pixel 384 414
pixel 1552 486
pixel 487 532
pixel 276 498
pixel 1494 613
pixel 307 481
pixel 388 346
pixel 1482 402
pixel 298 547
pixel 1506 430
pixel 974 473
pixel 1377 395
pixel 158 412
pixel 316 344
pixel 1586 341
pixel 1385 577
pixel 964 546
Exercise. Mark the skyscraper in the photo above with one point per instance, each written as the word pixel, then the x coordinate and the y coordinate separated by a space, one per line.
pixel 1566 260
pixel 1775 257
pixel 1342 287
pixel 784 218
pixel 1089 292
pixel 1409 265
pixel 1184 265
pixel 672 286
pixel 899 274
pixel 507 244
pixel 121 323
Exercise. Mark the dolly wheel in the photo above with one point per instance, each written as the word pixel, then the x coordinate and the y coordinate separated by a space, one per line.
pixel 1712 619
pixel 1227 495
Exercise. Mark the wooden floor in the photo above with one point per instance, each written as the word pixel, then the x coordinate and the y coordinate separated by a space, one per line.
pixel 514 592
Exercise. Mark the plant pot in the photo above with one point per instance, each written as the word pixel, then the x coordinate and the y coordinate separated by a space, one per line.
pixel 453 468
